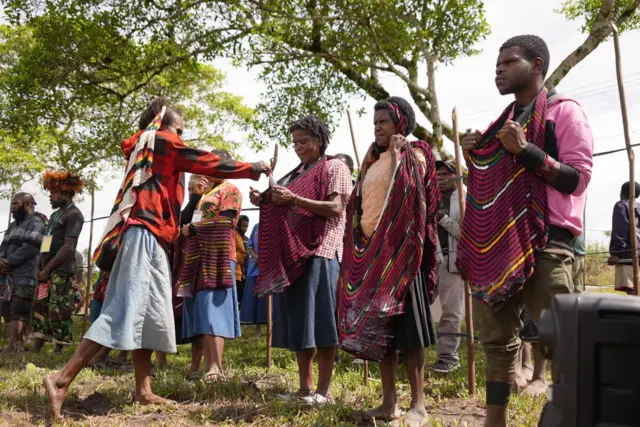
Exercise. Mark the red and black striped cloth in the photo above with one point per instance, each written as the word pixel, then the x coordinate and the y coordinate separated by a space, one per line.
pixel 159 198
pixel 505 219
pixel 288 235
pixel 207 260
pixel 377 272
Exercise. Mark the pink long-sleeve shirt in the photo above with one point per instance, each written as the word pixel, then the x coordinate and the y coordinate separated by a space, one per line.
pixel 575 149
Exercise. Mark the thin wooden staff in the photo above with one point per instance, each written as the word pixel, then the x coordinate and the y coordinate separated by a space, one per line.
pixel 353 139
pixel 355 151
pixel 471 352
pixel 89 259
pixel 274 162
pixel 631 155
pixel 269 330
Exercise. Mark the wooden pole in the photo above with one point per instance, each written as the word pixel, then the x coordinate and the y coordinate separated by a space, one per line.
pixel 631 155
pixel 584 241
pixel 89 259
pixel 274 162
pixel 353 139
pixel 355 151
pixel 471 351
pixel 13 193
pixel 269 329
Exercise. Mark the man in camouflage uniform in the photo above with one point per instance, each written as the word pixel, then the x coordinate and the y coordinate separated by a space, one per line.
pixel 51 316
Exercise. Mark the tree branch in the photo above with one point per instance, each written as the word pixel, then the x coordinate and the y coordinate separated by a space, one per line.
pixel 600 31
pixel 412 85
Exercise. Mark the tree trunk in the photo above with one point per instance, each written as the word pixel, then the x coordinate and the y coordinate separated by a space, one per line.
pixel 434 117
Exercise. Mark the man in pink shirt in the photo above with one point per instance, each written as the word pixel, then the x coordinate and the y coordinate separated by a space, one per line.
pixel 565 167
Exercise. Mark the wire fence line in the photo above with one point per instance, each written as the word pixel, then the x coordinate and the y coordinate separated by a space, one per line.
pixel 257 209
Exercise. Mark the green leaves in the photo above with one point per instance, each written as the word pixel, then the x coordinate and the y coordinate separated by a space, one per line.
pixel 316 53
pixel 625 13
pixel 75 75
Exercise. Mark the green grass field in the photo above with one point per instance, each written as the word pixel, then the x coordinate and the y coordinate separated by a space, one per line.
pixel 103 397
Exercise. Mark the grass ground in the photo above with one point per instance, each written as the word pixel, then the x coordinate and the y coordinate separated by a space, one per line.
pixel 597 272
pixel 102 397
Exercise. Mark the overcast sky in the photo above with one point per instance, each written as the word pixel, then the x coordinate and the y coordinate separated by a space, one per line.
pixel 468 84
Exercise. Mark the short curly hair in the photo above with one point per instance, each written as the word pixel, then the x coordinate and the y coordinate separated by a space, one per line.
pixel 314 126
pixel 532 47
pixel 405 108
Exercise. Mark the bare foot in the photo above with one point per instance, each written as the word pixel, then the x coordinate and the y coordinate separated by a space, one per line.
pixel 527 373
pixel 383 413
pixel 521 380
pixel 56 396
pixel 153 399
pixel 536 388
pixel 416 417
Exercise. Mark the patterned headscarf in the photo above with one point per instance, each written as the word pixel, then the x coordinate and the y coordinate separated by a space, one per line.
pixel 400 120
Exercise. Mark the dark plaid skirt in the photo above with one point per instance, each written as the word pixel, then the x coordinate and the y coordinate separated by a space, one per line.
pixel 414 328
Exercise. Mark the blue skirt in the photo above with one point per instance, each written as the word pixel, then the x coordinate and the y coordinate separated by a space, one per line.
pixel 254 309
pixel 137 312
pixel 94 311
pixel 212 312
pixel 305 313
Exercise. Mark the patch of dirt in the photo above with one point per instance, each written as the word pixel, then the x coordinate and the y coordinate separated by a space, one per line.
pixel 459 412
pixel 95 404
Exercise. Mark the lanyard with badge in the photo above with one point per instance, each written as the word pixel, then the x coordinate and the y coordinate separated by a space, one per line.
pixel 48 239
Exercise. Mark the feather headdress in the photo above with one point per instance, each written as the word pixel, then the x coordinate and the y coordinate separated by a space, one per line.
pixel 64 181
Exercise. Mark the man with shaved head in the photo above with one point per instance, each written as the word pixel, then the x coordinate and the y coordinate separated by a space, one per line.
pixel 18 257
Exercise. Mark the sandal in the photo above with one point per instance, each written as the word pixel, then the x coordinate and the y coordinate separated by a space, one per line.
pixel 300 394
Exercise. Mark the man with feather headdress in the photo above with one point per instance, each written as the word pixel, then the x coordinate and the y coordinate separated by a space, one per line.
pixel 55 292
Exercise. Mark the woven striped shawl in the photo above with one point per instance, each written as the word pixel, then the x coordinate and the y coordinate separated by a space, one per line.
pixel 207 263
pixel 288 235
pixel 139 170
pixel 505 218
pixel 377 272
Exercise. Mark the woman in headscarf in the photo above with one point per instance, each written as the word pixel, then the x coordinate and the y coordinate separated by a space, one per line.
pixel 302 222
pixel 208 279
pixel 389 269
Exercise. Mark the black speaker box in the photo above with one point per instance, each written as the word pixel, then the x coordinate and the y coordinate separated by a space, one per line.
pixel 594 339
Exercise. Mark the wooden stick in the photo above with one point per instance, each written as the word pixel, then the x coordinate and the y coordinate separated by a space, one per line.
pixel 355 151
pixel 13 193
pixel 269 329
pixel 584 241
pixel 471 351
pixel 89 260
pixel 631 155
pixel 353 139
pixel 274 162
